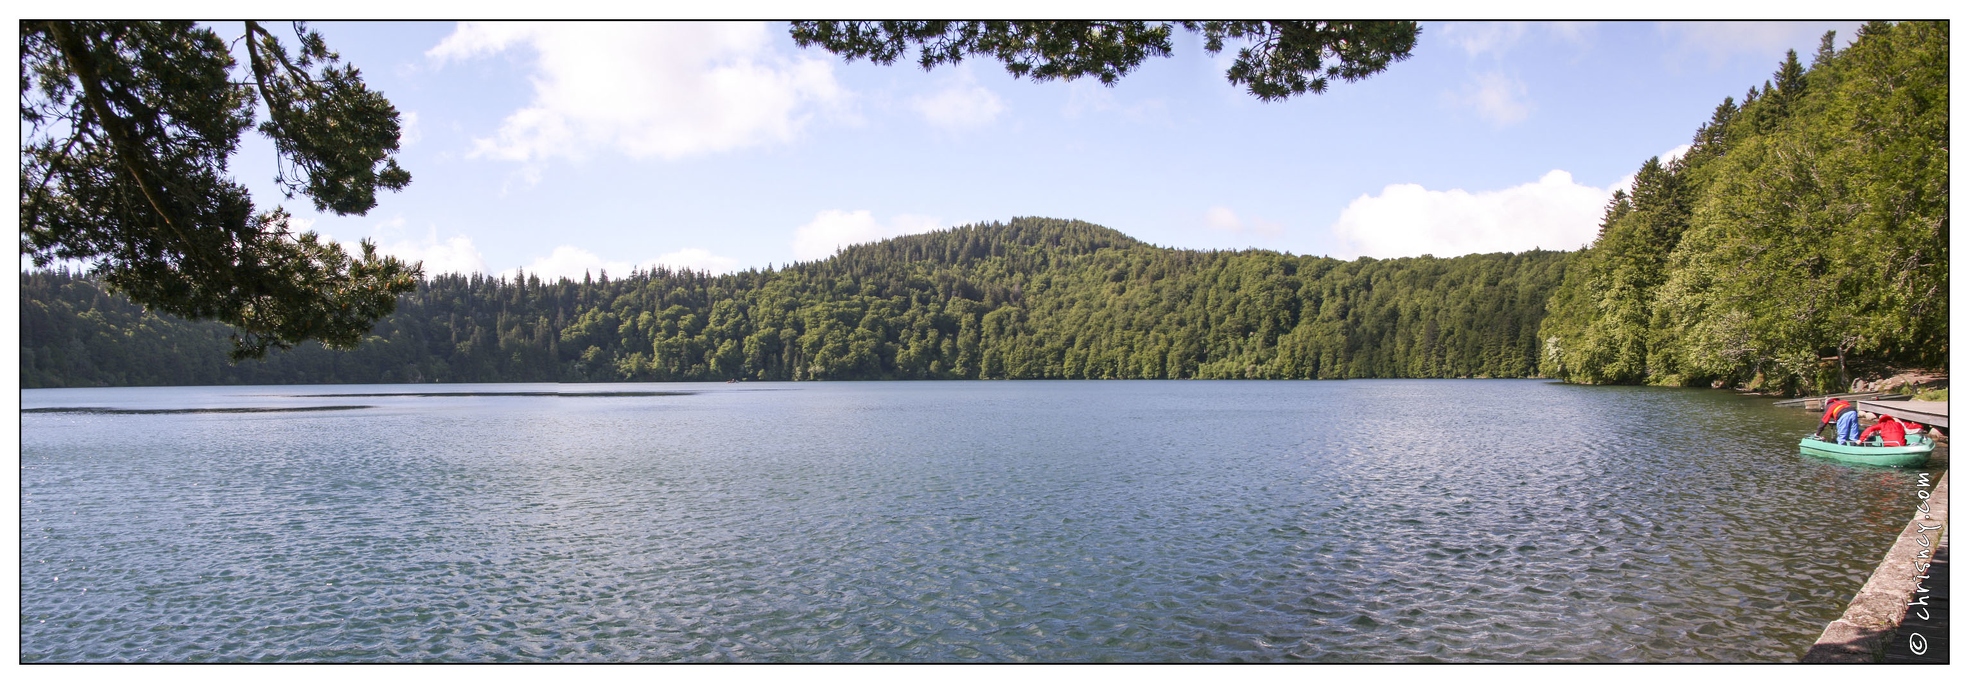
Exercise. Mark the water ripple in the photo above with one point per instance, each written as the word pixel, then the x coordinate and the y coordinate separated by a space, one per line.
pixel 1378 521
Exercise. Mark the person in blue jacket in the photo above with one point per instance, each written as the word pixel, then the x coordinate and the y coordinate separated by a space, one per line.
pixel 1849 428
pixel 1845 419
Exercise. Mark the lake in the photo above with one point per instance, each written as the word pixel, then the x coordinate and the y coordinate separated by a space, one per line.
pixel 1110 521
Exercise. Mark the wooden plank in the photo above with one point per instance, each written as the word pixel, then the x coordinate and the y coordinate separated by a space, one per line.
pixel 1819 401
pixel 1923 412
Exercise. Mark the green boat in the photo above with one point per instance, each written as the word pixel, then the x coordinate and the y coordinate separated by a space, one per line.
pixel 1913 455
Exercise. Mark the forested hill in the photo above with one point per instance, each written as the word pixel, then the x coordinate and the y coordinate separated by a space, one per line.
pixel 1802 241
pixel 1032 298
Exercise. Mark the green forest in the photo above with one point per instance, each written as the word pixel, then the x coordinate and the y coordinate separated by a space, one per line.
pixel 1801 240
pixel 1032 298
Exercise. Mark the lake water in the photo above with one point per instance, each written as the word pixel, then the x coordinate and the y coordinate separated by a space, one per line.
pixel 1379 520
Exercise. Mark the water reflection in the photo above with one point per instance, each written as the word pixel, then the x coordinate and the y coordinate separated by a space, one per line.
pixel 1044 521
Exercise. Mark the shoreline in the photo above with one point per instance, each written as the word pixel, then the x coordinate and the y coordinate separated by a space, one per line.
pixel 1874 616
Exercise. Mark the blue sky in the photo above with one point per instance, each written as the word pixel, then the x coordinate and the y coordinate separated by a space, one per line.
pixel 569 147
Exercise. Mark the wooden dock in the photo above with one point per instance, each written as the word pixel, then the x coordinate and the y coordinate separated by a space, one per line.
pixel 1818 402
pixel 1923 412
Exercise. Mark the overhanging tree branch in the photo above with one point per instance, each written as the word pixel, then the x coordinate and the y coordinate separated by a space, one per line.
pixel 140 187
pixel 127 151
pixel 1287 58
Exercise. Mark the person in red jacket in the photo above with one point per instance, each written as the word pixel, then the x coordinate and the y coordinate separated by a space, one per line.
pixel 1915 431
pixel 1892 432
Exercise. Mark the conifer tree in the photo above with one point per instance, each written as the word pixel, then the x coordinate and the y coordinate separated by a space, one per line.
pixel 1282 58
pixel 128 127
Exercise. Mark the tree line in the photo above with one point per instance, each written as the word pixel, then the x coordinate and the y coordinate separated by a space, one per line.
pixel 1030 298
pixel 126 128
pixel 1802 239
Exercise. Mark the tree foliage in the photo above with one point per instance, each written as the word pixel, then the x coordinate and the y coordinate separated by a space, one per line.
pixel 1804 234
pixel 123 165
pixel 1281 59
pixel 1032 298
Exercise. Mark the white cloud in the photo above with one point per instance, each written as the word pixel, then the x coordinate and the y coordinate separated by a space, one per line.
pixel 1477 38
pixel 526 176
pixel 648 89
pixel 1408 220
pixel 575 263
pixel 696 259
pixel 833 229
pixel 455 254
pixel 1578 33
pixel 1498 37
pixel 1720 41
pixel 1675 153
pixel 961 104
pixel 1627 182
pixel 1087 95
pixel 410 132
pixel 1223 219
pixel 1496 97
